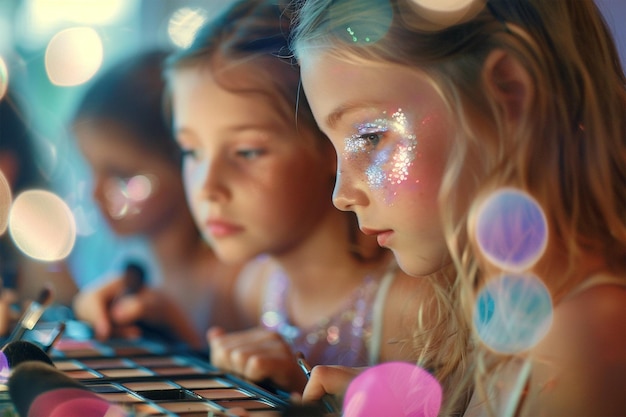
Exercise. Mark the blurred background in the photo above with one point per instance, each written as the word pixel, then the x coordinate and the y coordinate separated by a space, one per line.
pixel 50 49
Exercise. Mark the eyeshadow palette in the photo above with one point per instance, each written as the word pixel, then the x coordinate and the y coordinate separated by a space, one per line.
pixel 151 380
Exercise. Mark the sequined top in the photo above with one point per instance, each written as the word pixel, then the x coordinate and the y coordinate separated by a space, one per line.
pixel 341 339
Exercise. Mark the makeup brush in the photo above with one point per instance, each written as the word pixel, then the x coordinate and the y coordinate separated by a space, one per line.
pixel 22 351
pixel 32 314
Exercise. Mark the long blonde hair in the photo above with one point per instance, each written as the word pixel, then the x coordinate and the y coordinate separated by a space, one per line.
pixel 568 151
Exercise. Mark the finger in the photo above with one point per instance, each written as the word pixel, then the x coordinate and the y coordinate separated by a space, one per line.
pixel 127 332
pixel 281 368
pixel 326 379
pixel 230 351
pixel 92 306
pixel 214 333
pixel 5 317
pixel 258 355
pixel 127 310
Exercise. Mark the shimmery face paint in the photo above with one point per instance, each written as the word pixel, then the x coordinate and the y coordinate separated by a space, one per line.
pixel 388 165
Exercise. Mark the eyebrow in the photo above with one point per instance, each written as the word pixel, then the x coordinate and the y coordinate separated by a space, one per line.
pixel 339 112
pixel 235 129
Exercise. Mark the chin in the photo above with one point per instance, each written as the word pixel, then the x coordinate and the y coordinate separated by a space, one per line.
pixel 230 256
pixel 409 264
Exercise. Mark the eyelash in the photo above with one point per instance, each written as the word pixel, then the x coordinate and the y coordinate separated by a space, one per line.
pixel 373 138
pixel 188 153
pixel 247 154
pixel 250 153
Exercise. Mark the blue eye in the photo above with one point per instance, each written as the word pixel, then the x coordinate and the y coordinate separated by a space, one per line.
pixel 189 153
pixel 250 153
pixel 373 138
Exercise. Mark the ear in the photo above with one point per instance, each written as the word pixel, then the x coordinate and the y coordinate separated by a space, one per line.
pixel 508 82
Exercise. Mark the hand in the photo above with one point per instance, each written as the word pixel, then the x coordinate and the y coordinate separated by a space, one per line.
pixel 112 314
pixel 256 354
pixel 92 306
pixel 7 315
pixel 329 379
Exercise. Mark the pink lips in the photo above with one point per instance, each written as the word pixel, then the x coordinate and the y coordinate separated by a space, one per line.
pixel 219 228
pixel 382 236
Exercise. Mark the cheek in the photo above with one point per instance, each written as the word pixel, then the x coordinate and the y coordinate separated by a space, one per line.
pixel 412 164
pixel 194 177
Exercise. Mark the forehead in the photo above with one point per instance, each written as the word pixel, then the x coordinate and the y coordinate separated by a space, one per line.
pixel 332 84
pixel 244 90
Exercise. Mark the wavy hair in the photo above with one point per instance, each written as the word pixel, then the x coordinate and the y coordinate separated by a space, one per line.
pixel 568 150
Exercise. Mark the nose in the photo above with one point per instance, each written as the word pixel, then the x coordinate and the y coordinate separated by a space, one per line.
pixel 212 176
pixel 348 194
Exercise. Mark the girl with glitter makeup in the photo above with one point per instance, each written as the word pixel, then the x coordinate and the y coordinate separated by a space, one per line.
pixel 123 134
pixel 453 131
pixel 259 177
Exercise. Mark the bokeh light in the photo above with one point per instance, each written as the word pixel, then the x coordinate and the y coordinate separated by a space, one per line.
pixel 73 56
pixel 5 202
pixel 364 22
pixel 125 195
pixel 513 313
pixel 4 368
pixel 42 225
pixel 396 389
pixel 184 23
pixel 73 402
pixel 4 78
pixel 443 13
pixel 511 230
pixel 50 12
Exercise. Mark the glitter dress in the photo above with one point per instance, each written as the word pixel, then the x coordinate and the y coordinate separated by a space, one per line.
pixel 350 337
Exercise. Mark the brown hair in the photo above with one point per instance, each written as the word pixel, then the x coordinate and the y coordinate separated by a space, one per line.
pixel 256 32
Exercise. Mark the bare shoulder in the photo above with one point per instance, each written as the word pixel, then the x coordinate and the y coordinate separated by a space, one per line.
pixel 580 366
pixel 250 287
pixel 597 314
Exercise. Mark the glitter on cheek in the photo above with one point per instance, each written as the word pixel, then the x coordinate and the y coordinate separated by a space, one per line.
pixel 391 166
pixel 402 160
pixel 376 175
pixel 354 145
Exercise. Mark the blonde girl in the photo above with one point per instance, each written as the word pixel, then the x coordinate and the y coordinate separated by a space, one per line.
pixel 518 100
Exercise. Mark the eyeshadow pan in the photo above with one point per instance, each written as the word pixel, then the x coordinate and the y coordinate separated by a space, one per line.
pixel 106 363
pixel 145 409
pixel 251 404
pixel 178 370
pixel 222 394
pixel 204 383
pixel 125 372
pixel 68 365
pixel 81 353
pixel 83 374
pixel 131 350
pixel 185 406
pixel 170 394
pixel 149 385
pixel 156 361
